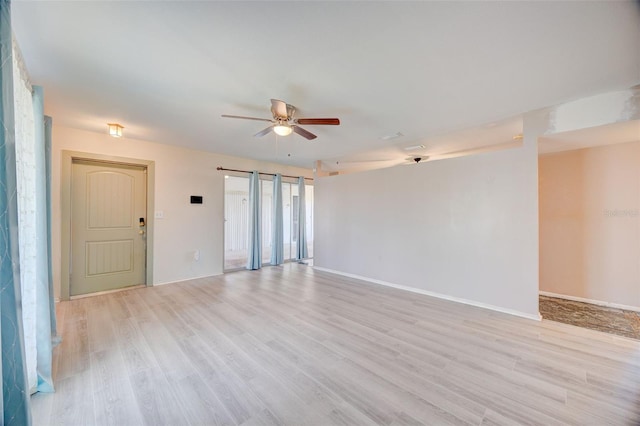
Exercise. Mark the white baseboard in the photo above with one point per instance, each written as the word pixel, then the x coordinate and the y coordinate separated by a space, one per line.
pixel 186 279
pixel 591 301
pixel 433 294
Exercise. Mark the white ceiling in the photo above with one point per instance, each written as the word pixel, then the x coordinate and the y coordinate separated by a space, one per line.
pixel 610 134
pixel 168 70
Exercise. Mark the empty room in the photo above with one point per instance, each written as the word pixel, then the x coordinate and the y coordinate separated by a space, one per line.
pixel 320 212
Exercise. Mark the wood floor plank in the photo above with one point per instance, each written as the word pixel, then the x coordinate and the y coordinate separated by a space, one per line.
pixel 199 404
pixel 99 323
pixel 156 398
pixel 114 402
pixel 291 345
pixel 165 347
pixel 71 403
pixel 238 399
pixel 41 406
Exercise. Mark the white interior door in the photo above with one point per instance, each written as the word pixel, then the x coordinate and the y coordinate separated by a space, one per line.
pixel 108 217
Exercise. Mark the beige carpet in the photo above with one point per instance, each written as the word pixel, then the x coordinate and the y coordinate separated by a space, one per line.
pixel 609 320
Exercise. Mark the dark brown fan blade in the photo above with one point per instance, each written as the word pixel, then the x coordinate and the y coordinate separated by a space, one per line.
pixel 319 121
pixel 264 131
pixel 304 133
pixel 247 118
pixel 279 109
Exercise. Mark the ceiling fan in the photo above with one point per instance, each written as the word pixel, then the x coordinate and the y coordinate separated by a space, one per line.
pixel 379 163
pixel 284 121
pixel 344 165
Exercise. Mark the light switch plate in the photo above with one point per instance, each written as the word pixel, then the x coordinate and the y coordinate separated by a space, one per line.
pixel 159 214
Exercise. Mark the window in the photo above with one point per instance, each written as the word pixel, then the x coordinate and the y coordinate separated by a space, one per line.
pixel 236 222
pixel 236 214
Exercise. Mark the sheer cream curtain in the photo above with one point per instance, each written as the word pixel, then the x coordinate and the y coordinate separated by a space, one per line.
pixel 31 176
pixel 26 178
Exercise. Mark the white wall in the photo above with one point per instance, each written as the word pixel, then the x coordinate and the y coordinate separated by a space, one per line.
pixel 179 173
pixel 590 223
pixel 464 228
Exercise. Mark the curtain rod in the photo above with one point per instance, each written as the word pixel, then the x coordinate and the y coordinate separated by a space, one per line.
pixel 260 173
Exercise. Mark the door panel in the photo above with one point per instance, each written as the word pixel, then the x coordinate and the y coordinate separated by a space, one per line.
pixel 109 200
pixel 106 257
pixel 107 242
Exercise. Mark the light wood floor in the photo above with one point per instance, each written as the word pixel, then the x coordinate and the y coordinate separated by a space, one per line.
pixel 291 345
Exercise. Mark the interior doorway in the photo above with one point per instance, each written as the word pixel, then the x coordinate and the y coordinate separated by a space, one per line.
pixel 589 228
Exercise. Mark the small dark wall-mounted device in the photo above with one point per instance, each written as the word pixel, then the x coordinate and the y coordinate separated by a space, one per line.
pixel 196 199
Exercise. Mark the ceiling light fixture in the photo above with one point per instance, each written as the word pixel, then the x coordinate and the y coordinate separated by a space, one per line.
pixel 393 136
pixel 282 129
pixel 414 147
pixel 115 130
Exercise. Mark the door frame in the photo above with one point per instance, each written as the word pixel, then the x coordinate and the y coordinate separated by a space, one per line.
pixel 65 186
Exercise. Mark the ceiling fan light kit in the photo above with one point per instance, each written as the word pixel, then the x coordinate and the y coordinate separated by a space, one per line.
pixel 284 123
pixel 281 129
